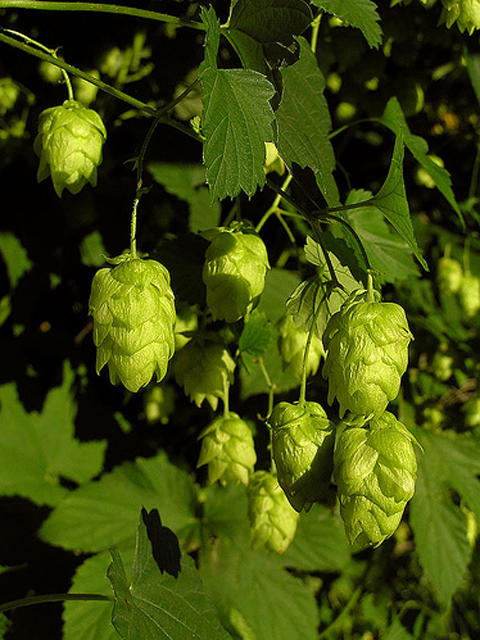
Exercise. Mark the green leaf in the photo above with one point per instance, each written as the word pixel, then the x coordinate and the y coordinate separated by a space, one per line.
pixel 237 121
pixel 388 254
pixel 319 544
pixel 251 585
pixel 304 123
pixel 396 631
pixel 256 335
pixel 185 181
pixel 361 14
pixel 158 605
pixel 92 250
pixel 90 620
pixel 392 201
pixel 4 625
pixel 279 285
pixel 104 513
pixel 269 20
pixel 248 50
pixel 15 257
pixel 38 449
pixel 394 119
pixel 450 462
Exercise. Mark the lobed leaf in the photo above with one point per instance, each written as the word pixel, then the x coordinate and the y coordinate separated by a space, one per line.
pixel 269 20
pixel 361 14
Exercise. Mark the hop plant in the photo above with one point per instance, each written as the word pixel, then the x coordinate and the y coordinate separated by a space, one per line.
pixel 228 449
pixel 234 271
pixel 69 144
pixel 302 448
pixel 292 341
pixel 465 12
pixel 9 92
pixel 367 354
pixel 449 275
pixel 469 295
pixel 205 370
pixel 133 312
pixel 375 469
pixel 273 522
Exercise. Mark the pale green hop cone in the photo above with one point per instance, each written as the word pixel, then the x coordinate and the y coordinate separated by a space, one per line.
pixel 302 448
pixel 292 341
pixel 367 354
pixel 469 295
pixel 375 470
pixel 69 144
pixel 449 275
pixel 228 450
pixel 234 272
pixel 204 369
pixel 273 522
pixel 133 311
pixel 465 12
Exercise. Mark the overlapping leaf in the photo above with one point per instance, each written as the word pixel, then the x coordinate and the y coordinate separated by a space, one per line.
pixel 105 512
pixel 450 463
pixel 237 121
pixel 361 14
pixel 269 20
pixel 158 605
pixel 304 121
pixel 39 449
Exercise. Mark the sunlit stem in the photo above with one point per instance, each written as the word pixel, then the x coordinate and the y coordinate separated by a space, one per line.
pixel 274 207
pixel 303 384
pixel 51 52
pixel 315 28
pixel 100 7
pixel 52 597
pixel 370 289
pixel 226 398
pixel 270 386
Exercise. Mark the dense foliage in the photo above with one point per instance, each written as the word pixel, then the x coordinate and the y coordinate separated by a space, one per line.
pixel 239 319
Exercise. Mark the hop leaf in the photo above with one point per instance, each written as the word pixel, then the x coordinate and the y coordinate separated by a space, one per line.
pixel 234 271
pixel 133 312
pixel 292 341
pixel 302 447
pixel 375 469
pixel 465 12
pixel 204 370
pixel 367 354
pixel 449 275
pixel 273 522
pixel 228 449
pixel 69 144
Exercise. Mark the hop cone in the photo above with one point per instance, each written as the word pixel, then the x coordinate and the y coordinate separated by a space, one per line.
pixel 302 448
pixel 204 370
pixel 449 275
pixel 367 354
pixel 9 92
pixel 469 295
pixel 292 341
pixel 234 271
pixel 375 470
pixel 273 522
pixel 465 12
pixel 69 145
pixel 133 312
pixel 228 449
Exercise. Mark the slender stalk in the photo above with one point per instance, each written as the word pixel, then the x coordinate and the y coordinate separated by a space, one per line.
pixel 226 398
pixel 53 597
pixel 51 52
pixel 344 612
pixel 270 386
pixel 475 171
pixel 273 209
pixel 315 29
pixel 100 7
pixel 303 384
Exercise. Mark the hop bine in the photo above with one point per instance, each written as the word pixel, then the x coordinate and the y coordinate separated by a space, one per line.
pixel 228 450
pixel 234 271
pixel 69 144
pixel 375 470
pixel 133 312
pixel 367 354
pixel 302 448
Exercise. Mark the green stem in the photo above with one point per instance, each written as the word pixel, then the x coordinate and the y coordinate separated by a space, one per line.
pixel 226 397
pixel 275 204
pixel 475 171
pixel 303 384
pixel 52 597
pixel 100 7
pixel 370 289
pixel 51 52
pixel 270 386
pixel 344 612
pixel 315 28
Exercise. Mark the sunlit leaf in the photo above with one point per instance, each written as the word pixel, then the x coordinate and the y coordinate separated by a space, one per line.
pixel 15 257
pixel 361 14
